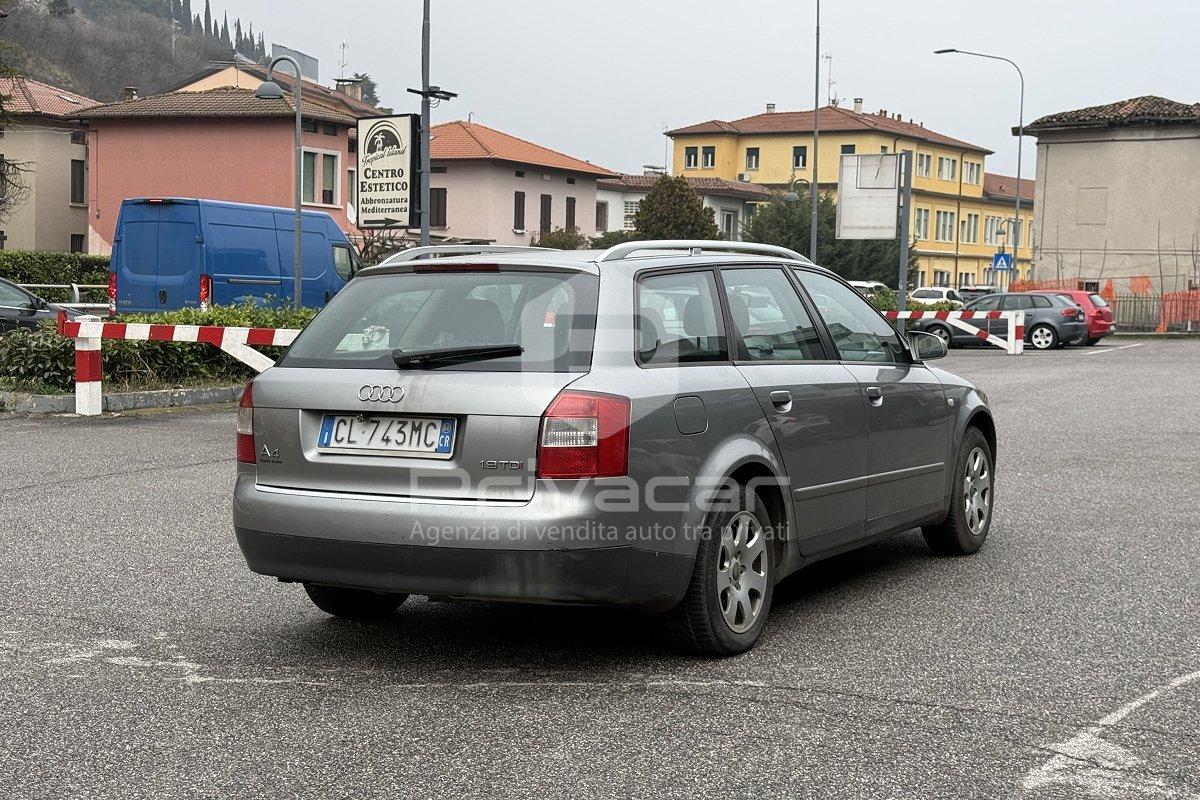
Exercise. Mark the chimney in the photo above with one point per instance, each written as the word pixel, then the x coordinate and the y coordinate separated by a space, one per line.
pixel 351 87
pixel 858 105
pixel 129 93
pixel 770 108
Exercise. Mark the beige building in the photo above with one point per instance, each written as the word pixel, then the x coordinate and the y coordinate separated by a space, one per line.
pixel 44 151
pixel 1118 194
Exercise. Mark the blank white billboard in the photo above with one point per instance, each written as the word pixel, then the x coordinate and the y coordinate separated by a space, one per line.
pixel 868 196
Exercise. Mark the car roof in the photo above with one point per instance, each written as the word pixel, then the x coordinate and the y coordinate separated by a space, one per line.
pixel 588 261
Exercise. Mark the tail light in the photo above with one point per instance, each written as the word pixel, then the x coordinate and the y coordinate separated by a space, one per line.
pixel 112 293
pixel 1071 313
pixel 584 435
pixel 245 426
pixel 205 292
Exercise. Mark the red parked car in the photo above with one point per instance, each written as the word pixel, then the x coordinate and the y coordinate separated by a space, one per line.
pixel 1095 309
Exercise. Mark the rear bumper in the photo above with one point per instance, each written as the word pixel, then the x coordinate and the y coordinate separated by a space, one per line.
pixel 616 576
pixel 1098 330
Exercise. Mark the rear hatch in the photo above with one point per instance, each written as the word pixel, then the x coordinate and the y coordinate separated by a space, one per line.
pixel 339 415
pixel 157 255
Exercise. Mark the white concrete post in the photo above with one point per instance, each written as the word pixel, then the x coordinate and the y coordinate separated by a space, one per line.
pixel 89 370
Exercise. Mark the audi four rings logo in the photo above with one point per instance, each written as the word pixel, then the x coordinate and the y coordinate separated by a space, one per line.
pixel 384 394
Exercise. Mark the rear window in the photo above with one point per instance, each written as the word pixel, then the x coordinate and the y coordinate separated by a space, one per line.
pixel 550 314
pixel 1098 301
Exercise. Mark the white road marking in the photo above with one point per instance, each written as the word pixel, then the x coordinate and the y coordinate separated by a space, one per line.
pixel 1098 351
pixel 1097 768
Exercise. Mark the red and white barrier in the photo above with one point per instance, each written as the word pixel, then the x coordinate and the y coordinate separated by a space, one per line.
pixel 1013 345
pixel 88 332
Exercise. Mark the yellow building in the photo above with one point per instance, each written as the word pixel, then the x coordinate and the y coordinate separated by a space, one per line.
pixel 961 214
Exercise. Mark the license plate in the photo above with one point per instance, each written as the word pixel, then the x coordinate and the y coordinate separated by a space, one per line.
pixel 420 437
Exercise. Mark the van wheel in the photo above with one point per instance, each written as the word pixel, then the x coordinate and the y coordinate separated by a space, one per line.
pixel 729 597
pixel 353 603
pixel 971 502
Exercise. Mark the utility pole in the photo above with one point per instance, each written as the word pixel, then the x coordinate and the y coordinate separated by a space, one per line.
pixel 906 169
pixel 815 190
pixel 427 92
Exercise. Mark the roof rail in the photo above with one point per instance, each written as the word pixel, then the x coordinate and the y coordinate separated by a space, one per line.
pixel 695 247
pixel 437 250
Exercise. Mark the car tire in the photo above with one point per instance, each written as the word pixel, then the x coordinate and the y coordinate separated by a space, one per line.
pixel 943 333
pixel 1043 337
pixel 972 500
pixel 1091 342
pixel 729 596
pixel 353 603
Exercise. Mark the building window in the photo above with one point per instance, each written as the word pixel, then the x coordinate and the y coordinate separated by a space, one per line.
pixel 941 277
pixel 352 145
pixel 970 229
pixel 751 158
pixel 800 157
pixel 847 149
pixel 883 148
pixel 329 129
pixel 437 208
pixel 601 216
pixel 1016 229
pixel 924 164
pixel 76 242
pixel 691 157
pixel 544 222
pixel 329 173
pixel 3 239
pixel 570 214
pixel 945 226
pixel 729 224
pixel 520 173
pixel 631 207
pixel 972 172
pixel 709 154
pixel 921 223
pixel 518 211
pixel 352 187
pixel 78 184
pixel 320 187
pixel 991 230
pixel 78 137
pixel 947 168
pixel 308 187
pixel 308 125
pixel 1030 240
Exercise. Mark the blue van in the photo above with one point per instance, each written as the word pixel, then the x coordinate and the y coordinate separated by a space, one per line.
pixel 175 252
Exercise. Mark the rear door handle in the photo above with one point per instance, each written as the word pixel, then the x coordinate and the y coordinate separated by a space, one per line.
pixel 875 395
pixel 781 398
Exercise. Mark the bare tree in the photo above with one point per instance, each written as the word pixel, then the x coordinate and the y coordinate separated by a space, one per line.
pixel 14 186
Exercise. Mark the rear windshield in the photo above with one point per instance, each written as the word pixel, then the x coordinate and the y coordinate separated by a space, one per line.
pixel 1098 301
pixel 550 314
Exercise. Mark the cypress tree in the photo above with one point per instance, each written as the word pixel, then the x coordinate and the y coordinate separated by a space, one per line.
pixel 225 31
pixel 208 29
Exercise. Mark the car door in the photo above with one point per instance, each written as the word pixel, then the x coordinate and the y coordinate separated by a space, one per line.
pixel 907 414
pixel 989 302
pixel 1012 302
pixel 815 406
pixel 17 308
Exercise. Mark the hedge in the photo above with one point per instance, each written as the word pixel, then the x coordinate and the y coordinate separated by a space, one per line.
pixel 49 266
pixel 39 358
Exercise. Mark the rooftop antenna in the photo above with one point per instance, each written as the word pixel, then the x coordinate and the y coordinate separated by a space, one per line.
pixel 342 63
pixel 830 98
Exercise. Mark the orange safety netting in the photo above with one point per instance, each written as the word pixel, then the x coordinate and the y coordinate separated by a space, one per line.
pixel 1178 307
pixel 1042 286
pixel 1140 284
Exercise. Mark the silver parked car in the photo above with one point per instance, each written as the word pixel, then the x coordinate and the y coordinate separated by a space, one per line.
pixel 1051 320
pixel 670 426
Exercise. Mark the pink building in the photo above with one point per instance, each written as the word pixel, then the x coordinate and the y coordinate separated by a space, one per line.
pixel 221 143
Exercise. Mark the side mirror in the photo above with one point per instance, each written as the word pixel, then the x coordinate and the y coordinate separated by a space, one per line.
pixel 926 346
pixel 30 309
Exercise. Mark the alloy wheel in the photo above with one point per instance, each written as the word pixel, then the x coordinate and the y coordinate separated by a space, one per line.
pixel 1041 337
pixel 742 571
pixel 942 334
pixel 977 492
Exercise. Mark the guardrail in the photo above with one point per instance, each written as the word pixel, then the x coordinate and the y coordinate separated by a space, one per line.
pixel 76 293
pixel 1015 343
pixel 89 331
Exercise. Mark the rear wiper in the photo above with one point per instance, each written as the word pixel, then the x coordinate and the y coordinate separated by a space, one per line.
pixel 440 356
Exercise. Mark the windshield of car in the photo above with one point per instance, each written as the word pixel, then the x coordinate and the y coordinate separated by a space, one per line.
pixel 923 294
pixel 550 315
pixel 1098 301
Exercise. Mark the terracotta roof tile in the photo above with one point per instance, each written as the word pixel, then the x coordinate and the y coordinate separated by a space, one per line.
pixel 225 101
pixel 713 186
pixel 1137 110
pixel 25 96
pixel 461 141
pixel 1003 185
pixel 832 119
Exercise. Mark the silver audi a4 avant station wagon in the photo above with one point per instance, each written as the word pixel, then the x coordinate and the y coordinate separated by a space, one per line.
pixel 669 426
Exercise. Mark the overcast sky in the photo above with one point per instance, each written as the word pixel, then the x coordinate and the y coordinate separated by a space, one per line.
pixel 601 80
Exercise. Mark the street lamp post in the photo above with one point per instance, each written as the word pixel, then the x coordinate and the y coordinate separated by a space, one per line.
pixel 270 90
pixel 1016 223
pixel 812 235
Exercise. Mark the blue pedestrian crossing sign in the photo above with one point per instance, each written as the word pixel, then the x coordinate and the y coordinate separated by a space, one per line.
pixel 1002 262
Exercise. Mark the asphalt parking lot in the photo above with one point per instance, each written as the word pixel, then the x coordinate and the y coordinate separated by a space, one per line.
pixel 140 658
